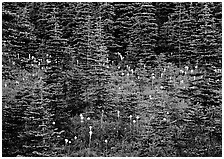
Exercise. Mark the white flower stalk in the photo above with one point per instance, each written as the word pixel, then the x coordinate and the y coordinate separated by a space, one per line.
pixel 106 141
pixel 132 71
pixel 153 77
pixel 88 118
pixel 130 120
pixel 134 121
pixel 82 118
pixel 90 135
pixel 118 114
pixel 66 141
pixel 53 123
pixel 69 142
pixel 181 71
pixel 75 137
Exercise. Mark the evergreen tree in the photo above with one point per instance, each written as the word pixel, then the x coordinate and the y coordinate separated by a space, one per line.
pixel 145 31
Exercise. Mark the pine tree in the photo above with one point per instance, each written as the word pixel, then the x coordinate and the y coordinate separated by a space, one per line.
pixel 205 93
pixel 145 31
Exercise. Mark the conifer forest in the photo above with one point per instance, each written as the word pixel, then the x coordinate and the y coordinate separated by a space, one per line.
pixel 111 79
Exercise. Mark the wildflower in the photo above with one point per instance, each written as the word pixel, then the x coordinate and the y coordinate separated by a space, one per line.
pixel 167 113
pixel 181 71
pixel 130 116
pixel 192 71
pixel 69 142
pixel 53 123
pixel 48 61
pixel 122 73
pixel 90 133
pixel 75 137
pixel 106 141
pixel 164 119
pixel 58 136
pixel 88 118
pixel 182 81
pixel 132 71
pixel 134 121
pixel 90 127
pixel 186 67
pixel 118 113
pixel 137 117
pixel 153 77
pixel 128 67
pixel 82 118
pixel 66 141
pixel 161 87
pixel 121 57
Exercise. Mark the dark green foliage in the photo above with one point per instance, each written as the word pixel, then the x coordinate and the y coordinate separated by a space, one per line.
pixel 136 79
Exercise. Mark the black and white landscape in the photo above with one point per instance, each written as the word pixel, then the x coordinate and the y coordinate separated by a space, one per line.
pixel 111 79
